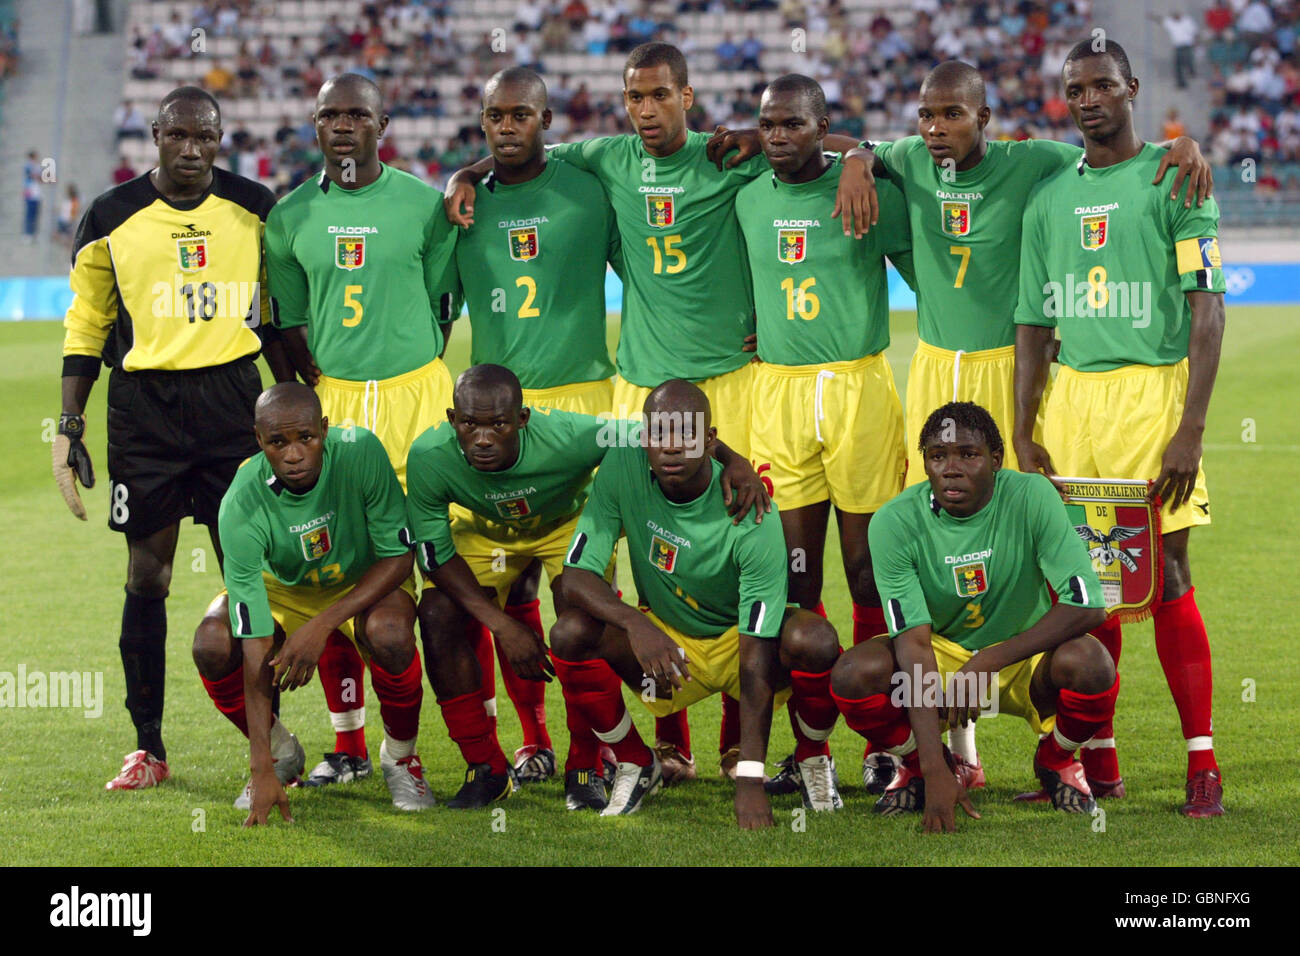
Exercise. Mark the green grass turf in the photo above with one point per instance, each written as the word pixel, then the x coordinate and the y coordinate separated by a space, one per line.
pixel 60 601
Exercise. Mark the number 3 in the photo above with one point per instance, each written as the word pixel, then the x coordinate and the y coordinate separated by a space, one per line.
pixel 352 321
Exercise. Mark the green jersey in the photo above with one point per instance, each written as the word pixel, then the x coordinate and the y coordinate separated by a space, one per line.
pixel 366 270
pixel 327 537
pixel 983 579
pixel 1108 259
pixel 532 268
pixel 966 235
pixel 696 570
pixel 546 486
pixel 821 296
pixel 687 301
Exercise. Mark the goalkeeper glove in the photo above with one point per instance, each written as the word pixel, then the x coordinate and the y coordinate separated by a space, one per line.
pixel 72 462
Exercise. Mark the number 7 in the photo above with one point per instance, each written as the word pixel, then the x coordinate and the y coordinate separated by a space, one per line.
pixel 964 253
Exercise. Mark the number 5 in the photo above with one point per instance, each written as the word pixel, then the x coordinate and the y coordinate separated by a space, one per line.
pixel 352 321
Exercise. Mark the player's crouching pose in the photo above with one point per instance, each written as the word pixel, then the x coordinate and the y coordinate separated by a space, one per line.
pixel 713 616
pixel 316 539
pixel 963 565
pixel 523 477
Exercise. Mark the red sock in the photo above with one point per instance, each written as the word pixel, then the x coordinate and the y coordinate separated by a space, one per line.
pixel 400 696
pixel 814 713
pixel 228 694
pixel 1100 760
pixel 1184 651
pixel 868 622
pixel 674 730
pixel 528 696
pixel 1078 718
pixel 596 690
pixel 342 676
pixel 884 725
pixel 729 732
pixel 470 727
pixel 480 639
pixel 820 609
pixel 584 747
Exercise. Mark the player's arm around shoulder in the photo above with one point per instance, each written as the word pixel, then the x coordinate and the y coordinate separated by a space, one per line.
pixel 1193 168
pixel 742 488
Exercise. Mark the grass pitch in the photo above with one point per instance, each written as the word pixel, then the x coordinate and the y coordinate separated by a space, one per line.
pixel 60 602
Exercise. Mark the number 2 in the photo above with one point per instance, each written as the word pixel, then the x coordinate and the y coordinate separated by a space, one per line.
pixel 526 311
pixel 349 301
pixel 964 253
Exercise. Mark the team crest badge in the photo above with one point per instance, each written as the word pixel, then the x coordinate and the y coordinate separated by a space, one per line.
pixel 972 579
pixel 1094 231
pixel 514 508
pixel 316 542
pixel 192 254
pixel 1121 531
pixel 349 252
pixel 956 218
pixel 659 210
pixel 792 245
pixel 663 554
pixel 523 244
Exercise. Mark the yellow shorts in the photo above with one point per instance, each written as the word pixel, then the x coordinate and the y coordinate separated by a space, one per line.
pixel 498 554
pixel 987 378
pixel 294 607
pixel 1013 682
pixel 396 409
pixel 715 669
pixel 729 398
pixel 831 431
pixel 587 398
pixel 1117 424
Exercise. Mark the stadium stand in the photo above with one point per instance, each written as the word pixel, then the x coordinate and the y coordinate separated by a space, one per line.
pixel 1254 103
pixel 431 59
pixel 8 46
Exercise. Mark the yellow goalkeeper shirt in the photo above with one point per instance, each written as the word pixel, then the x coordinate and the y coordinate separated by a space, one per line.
pixel 161 285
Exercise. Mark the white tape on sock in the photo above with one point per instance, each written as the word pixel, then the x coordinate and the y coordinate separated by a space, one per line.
pixel 345 720
pixel 620 729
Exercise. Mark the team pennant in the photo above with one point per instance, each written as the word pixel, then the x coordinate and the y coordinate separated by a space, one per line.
pixel 1121 531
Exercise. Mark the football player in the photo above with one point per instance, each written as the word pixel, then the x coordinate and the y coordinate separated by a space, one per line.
pixel 1135 286
pixel 712 615
pixel 963 564
pixel 316 542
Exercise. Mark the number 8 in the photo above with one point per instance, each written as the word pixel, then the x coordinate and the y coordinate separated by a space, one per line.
pixel 121 513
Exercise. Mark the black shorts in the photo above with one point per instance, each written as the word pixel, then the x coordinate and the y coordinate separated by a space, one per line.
pixel 174 442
